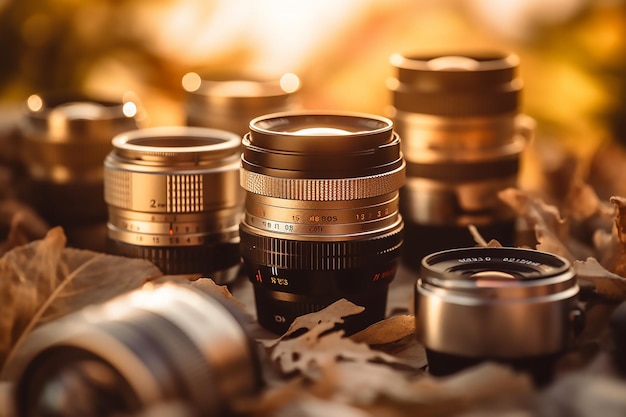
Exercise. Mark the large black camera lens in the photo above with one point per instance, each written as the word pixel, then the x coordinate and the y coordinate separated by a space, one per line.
pixel 321 218
pixel 462 138
pixel 174 199
pixel 516 306
pixel 65 138
pixel 161 344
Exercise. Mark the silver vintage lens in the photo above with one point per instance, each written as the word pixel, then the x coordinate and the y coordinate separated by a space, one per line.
pixel 65 138
pixel 517 306
pixel 462 137
pixel 230 103
pixel 160 344
pixel 321 218
pixel 174 198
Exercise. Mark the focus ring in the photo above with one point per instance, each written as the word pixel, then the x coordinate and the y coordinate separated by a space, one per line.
pixel 319 256
pixel 335 189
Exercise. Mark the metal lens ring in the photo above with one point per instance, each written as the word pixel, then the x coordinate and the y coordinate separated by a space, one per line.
pixel 157 344
pixel 496 303
pixel 231 102
pixel 174 197
pixel 321 218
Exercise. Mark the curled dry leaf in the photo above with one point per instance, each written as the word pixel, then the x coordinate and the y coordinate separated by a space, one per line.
pixel 605 282
pixel 324 319
pixel 43 280
pixel 320 345
pixel 551 230
pixel 395 336
pixel 387 331
pixel 380 390
pixel 317 348
pixel 480 240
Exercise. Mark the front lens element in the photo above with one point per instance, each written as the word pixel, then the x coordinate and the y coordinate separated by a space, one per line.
pixel 174 199
pixel 321 218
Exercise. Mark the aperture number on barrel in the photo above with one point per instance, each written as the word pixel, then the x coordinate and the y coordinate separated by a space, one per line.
pixel 156 204
pixel 372 215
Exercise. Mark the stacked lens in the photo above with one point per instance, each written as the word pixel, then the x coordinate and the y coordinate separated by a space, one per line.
pixel 462 138
pixel 174 198
pixel 321 218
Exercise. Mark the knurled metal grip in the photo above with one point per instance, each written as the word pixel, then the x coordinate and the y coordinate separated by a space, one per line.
pixel 323 189
pixel 166 193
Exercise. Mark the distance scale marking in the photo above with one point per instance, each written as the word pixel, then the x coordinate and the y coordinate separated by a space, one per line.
pixel 168 230
pixel 318 228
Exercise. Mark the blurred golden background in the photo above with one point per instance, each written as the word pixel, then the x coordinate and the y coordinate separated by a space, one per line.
pixel 573 55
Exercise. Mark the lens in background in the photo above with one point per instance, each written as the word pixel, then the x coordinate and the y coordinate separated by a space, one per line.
pixel 462 138
pixel 64 139
pixel 174 199
pixel 229 103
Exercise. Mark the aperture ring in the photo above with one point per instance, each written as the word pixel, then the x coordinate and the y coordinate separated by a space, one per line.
pixel 323 189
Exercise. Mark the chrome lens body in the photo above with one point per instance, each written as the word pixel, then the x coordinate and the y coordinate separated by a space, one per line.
pixel 506 304
pixel 64 139
pixel 163 343
pixel 462 138
pixel 231 103
pixel 321 218
pixel 174 198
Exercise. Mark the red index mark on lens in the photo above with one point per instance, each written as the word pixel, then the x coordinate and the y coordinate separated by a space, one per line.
pixel 258 276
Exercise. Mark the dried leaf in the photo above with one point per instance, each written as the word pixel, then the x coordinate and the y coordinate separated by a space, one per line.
pixel 551 230
pixel 384 391
pixel 324 320
pixel 606 283
pixel 584 395
pixel 317 348
pixel 480 240
pixel 43 280
pixel 386 331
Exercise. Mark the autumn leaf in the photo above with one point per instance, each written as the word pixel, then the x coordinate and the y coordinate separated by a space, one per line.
pixel 44 280
pixel 551 230
pixel 606 283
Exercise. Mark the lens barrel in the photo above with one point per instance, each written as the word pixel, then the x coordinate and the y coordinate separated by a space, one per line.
pixel 162 343
pixel 230 103
pixel 174 199
pixel 462 138
pixel 64 139
pixel 321 218
pixel 516 306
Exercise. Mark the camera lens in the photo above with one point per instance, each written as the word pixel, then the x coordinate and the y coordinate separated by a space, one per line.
pixel 230 103
pixel 516 306
pixel 462 137
pixel 65 138
pixel 162 343
pixel 321 219
pixel 174 199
